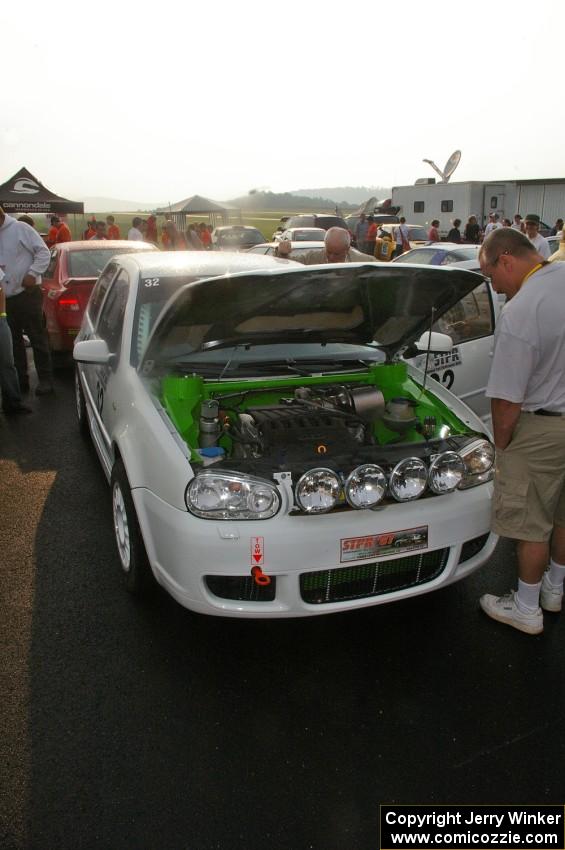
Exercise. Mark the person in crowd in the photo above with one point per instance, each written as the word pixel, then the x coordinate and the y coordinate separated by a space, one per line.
pixel 527 391
pixel 27 219
pixel 205 236
pixel 372 232
pixel 506 222
pixel 518 224
pixel 135 233
pixel 90 228
pixel 401 237
pixel 24 259
pixel 63 232
pixel 151 234
pixel 557 227
pixel 165 240
pixel 176 240
pixel 384 246
pixel 113 230
pixel 559 255
pixel 9 385
pixel 472 232
pixel 493 223
pixel 361 230
pixel 193 242
pixel 454 234
pixel 337 249
pixel 540 243
pixel 433 232
pixel 51 237
pixel 99 231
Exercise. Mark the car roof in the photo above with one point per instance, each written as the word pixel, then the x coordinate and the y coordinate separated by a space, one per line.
pixel 445 246
pixel 205 263
pixel 236 227
pixel 93 244
pixel 298 243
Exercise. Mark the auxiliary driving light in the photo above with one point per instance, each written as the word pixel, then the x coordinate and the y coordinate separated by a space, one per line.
pixel 446 472
pixel 318 490
pixel 366 486
pixel 408 479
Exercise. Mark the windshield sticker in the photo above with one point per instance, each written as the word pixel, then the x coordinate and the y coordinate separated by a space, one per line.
pixel 389 543
pixel 447 359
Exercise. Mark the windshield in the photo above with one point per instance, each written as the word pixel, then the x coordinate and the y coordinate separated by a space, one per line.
pixel 89 263
pixel 417 234
pixel 280 358
pixel 240 237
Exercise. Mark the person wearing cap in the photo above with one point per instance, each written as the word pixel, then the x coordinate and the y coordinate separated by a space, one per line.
pixel 493 223
pixel 532 222
pixel 527 390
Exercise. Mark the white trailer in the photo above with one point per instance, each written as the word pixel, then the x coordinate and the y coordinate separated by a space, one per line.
pixel 421 203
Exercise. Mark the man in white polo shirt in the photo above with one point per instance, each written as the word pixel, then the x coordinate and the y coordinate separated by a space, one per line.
pixel 532 223
pixel 527 388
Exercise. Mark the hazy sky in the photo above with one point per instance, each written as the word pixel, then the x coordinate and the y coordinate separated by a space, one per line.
pixel 159 101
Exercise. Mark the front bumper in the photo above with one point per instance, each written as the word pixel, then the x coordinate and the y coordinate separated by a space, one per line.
pixel 184 551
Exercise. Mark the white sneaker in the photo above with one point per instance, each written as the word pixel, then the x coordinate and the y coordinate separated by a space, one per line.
pixel 551 597
pixel 505 609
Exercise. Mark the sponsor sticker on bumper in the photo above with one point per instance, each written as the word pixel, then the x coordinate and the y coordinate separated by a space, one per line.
pixel 387 543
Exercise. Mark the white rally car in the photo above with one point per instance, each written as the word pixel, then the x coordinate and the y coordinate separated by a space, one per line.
pixel 270 452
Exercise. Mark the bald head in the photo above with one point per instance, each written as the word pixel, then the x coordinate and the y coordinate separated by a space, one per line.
pixel 337 242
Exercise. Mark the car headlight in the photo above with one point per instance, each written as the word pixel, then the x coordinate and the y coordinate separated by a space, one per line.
pixel 366 486
pixel 223 495
pixel 318 490
pixel 446 472
pixel 478 458
pixel 408 479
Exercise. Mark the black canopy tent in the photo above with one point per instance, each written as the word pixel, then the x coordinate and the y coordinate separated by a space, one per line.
pixel 23 193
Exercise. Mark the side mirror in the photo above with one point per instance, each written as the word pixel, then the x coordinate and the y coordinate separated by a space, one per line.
pixel 435 342
pixel 92 351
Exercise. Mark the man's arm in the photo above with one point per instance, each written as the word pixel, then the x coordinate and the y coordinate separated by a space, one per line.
pixel 41 256
pixel 505 415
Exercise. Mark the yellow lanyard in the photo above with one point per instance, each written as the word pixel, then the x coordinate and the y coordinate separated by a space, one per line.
pixel 533 271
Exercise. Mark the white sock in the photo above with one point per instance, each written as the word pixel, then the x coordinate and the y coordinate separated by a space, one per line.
pixel 556 573
pixel 527 596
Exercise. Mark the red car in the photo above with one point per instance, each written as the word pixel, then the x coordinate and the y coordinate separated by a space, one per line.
pixel 69 280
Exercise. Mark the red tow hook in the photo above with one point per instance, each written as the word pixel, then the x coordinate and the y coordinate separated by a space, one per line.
pixel 259 577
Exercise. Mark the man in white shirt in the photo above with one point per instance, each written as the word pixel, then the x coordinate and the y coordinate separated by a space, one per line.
pixel 518 224
pixel 24 256
pixel 527 391
pixel 532 232
pixel 401 237
pixel 134 233
pixel 493 223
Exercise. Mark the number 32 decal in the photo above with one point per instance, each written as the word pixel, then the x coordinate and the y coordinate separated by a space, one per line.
pixel 446 378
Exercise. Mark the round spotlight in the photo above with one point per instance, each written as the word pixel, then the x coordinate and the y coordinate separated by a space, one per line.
pixel 366 486
pixel 318 491
pixel 408 479
pixel 446 472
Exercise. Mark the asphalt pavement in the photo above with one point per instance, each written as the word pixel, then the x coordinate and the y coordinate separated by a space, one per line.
pixel 136 726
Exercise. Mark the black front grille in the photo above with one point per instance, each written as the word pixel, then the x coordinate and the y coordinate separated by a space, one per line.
pixel 472 547
pixel 374 579
pixel 241 588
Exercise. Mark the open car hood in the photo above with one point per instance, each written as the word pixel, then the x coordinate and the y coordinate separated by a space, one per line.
pixel 390 305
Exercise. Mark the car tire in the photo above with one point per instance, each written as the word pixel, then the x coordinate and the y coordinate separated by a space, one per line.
pixel 80 406
pixel 136 570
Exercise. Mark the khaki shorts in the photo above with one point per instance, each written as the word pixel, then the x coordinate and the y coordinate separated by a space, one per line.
pixel 529 485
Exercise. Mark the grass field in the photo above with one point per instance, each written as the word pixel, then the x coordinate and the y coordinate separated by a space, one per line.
pixel 265 221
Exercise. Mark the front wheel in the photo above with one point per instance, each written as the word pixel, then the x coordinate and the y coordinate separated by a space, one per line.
pixel 136 571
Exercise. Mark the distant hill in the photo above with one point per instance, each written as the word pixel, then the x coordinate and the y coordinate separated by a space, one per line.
pixel 98 205
pixel 259 200
pixel 353 195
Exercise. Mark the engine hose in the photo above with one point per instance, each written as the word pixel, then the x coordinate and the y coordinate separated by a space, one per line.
pixel 261 580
